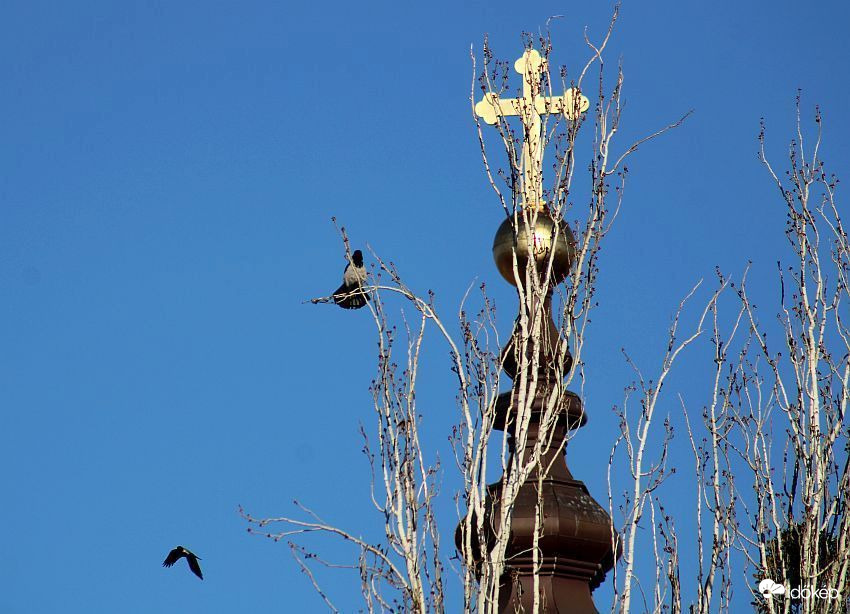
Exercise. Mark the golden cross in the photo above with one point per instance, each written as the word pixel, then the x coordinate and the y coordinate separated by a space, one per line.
pixel 529 108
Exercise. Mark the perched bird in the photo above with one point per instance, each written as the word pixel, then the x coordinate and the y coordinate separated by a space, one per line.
pixel 350 294
pixel 179 552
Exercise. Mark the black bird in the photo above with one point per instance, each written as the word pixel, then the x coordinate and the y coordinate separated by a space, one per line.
pixel 176 554
pixel 350 294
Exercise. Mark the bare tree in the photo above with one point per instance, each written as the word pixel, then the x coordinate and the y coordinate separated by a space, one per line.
pixel 545 252
pixel 788 405
pixel 769 455
pixel 771 452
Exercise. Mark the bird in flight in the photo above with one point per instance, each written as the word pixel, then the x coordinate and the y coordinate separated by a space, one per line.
pixel 179 552
pixel 350 294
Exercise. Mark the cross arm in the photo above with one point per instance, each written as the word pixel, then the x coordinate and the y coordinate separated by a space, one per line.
pixel 566 104
pixel 491 107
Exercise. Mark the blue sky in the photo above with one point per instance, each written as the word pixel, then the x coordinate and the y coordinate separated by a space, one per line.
pixel 169 171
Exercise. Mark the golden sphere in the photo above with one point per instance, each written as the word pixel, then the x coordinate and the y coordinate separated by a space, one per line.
pixel 544 236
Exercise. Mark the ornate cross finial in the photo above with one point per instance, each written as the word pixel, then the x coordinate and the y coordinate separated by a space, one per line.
pixel 529 108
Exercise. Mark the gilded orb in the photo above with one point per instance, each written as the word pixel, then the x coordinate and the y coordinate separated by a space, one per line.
pixel 544 236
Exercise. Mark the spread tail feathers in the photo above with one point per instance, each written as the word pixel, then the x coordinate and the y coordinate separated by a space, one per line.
pixel 350 298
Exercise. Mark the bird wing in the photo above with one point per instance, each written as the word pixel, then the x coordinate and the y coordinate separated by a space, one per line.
pixel 193 565
pixel 340 297
pixel 172 557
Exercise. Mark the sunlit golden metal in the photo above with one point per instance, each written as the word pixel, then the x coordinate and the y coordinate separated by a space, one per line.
pixel 534 103
pixel 543 236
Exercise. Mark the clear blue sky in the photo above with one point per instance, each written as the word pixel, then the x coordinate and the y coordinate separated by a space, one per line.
pixel 168 171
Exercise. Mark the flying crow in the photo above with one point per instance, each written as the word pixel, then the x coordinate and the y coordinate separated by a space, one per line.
pixel 350 294
pixel 179 552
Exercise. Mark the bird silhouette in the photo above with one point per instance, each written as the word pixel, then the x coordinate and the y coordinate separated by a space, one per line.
pixel 179 552
pixel 350 294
